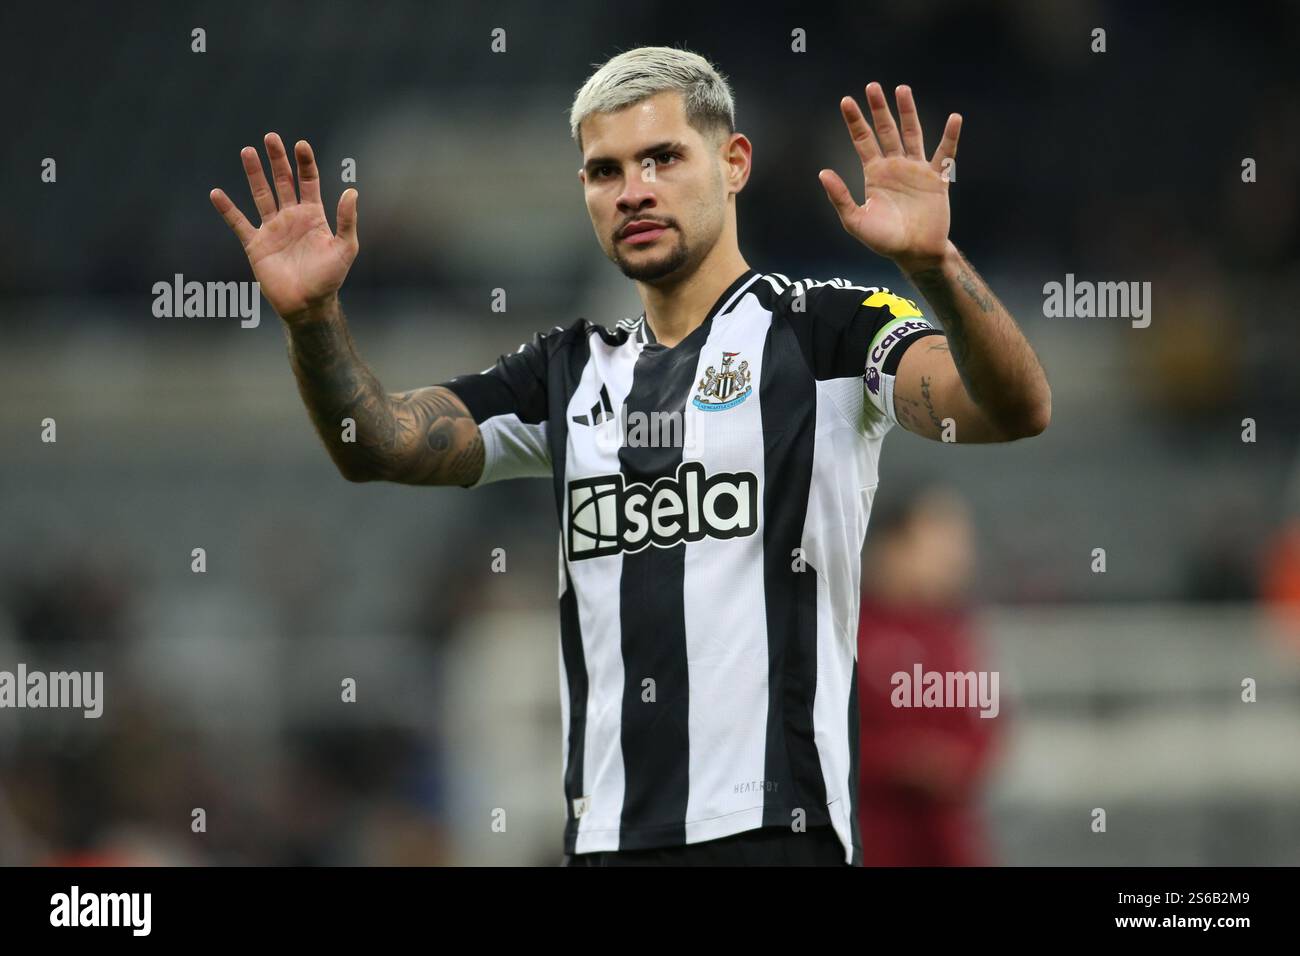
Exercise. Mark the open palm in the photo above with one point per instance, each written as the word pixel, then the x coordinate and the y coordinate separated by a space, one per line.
pixel 297 260
pixel 905 215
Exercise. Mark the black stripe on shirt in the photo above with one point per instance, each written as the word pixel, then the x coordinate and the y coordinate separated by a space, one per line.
pixel 789 407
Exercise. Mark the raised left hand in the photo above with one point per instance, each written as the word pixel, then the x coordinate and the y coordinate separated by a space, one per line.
pixel 905 216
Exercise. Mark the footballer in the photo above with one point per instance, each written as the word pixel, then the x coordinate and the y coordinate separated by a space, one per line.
pixel 708 589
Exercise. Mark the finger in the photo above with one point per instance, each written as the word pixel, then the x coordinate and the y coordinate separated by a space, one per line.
pixel 838 193
pixel 347 217
pixel 262 197
pixel 883 121
pixel 948 145
pixel 242 228
pixel 864 141
pixel 910 121
pixel 281 171
pixel 308 174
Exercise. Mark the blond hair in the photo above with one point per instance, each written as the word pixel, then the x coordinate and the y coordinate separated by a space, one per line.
pixel 633 76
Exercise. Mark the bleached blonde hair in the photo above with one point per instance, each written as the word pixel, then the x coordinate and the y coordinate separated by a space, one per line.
pixel 636 74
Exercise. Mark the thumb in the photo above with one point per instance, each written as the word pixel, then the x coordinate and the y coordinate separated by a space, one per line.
pixel 347 216
pixel 838 193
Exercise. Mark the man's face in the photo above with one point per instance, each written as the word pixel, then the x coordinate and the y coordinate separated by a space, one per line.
pixel 654 187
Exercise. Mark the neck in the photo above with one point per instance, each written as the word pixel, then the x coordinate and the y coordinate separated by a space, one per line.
pixel 678 307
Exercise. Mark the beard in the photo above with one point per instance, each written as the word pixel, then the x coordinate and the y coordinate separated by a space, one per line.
pixel 656 267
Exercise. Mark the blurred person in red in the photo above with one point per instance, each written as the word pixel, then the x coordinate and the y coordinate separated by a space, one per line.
pixel 921 768
pixel 1279 567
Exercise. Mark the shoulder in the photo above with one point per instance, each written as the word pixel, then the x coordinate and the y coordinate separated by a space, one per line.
pixel 836 300
pixel 577 336
pixel 836 322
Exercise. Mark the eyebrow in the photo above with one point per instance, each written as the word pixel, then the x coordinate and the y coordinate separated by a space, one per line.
pixel 668 146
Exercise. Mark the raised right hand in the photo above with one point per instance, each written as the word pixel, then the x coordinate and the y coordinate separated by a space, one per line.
pixel 299 263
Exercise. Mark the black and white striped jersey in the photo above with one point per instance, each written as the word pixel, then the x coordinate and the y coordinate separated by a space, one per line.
pixel 713 501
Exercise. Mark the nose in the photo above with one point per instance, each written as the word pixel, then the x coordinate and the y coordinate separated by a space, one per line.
pixel 636 195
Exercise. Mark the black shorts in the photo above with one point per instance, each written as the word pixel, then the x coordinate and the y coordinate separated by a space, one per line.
pixel 768 846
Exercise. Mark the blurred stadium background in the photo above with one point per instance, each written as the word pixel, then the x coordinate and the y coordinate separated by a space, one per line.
pixel 222 689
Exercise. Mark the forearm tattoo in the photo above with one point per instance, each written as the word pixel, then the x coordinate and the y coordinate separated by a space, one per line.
pixel 425 436
pixel 941 293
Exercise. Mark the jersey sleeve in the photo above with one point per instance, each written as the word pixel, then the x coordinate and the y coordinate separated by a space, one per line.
pixel 856 332
pixel 509 403
pixel 896 325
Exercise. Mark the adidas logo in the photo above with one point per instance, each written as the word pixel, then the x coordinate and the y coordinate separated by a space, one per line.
pixel 601 412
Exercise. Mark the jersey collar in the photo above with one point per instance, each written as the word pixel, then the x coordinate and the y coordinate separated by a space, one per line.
pixel 742 280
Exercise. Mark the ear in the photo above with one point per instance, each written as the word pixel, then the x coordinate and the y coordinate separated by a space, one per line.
pixel 738 153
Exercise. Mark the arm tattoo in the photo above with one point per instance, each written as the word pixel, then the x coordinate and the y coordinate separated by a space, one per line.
pixel 425 436
pixel 941 293
pixel 978 295
pixel 905 410
pixel 997 367
pixel 938 291
pixel 442 444
pixel 929 403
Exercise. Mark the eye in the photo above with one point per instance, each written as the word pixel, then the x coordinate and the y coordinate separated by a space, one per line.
pixel 665 158
pixel 600 172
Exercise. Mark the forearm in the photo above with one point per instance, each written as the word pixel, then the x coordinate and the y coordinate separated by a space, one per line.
pixel 422 437
pixel 997 365
pixel 336 385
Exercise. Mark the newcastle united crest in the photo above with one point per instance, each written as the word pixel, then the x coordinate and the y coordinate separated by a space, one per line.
pixel 724 388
